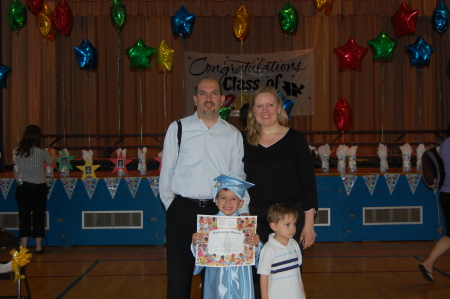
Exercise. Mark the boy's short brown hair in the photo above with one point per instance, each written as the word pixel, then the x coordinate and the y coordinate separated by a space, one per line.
pixel 278 211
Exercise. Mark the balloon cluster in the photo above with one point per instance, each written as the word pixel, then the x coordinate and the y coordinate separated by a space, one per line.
pixel 49 22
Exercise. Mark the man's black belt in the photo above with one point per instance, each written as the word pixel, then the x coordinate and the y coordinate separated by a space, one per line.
pixel 202 203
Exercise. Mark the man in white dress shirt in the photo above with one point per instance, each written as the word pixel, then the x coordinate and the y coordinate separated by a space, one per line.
pixel 209 147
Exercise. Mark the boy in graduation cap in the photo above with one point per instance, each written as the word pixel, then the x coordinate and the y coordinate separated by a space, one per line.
pixel 232 281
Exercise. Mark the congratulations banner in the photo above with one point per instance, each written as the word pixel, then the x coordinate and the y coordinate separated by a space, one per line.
pixel 291 73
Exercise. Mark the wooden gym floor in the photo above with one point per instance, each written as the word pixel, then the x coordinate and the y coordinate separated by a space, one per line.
pixel 331 270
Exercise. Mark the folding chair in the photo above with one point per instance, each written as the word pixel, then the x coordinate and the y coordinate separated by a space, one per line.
pixel 8 242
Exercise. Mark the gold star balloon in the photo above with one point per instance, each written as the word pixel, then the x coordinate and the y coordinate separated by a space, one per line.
pixel 46 23
pixel 164 57
pixel 324 5
pixel 241 24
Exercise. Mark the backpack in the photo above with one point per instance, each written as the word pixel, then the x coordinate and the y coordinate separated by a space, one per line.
pixel 433 173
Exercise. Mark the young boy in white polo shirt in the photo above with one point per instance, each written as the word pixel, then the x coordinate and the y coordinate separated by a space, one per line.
pixel 281 258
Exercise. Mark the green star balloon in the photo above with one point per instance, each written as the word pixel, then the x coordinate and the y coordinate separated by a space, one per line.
pixel 118 14
pixel 288 18
pixel 225 112
pixel 140 55
pixel 16 16
pixel 383 47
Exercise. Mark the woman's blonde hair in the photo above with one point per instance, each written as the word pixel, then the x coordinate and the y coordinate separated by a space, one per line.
pixel 254 128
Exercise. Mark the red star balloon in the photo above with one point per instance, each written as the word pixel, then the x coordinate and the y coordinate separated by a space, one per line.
pixel 405 20
pixel 120 163
pixel 63 17
pixel 350 55
pixel 35 5
pixel 342 115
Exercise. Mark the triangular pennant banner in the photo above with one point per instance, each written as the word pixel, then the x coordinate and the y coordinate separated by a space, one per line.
pixel 391 180
pixel 6 185
pixel 51 185
pixel 69 185
pixel 371 182
pixel 413 181
pixel 90 184
pixel 154 183
pixel 349 181
pixel 112 184
pixel 133 184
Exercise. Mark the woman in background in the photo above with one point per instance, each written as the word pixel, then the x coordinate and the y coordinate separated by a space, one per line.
pixel 31 191
pixel 426 268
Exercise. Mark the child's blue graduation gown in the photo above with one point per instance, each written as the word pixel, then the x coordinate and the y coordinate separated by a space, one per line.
pixel 228 282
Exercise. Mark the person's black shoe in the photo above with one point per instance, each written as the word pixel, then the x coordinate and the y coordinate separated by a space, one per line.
pixel 427 275
pixel 40 251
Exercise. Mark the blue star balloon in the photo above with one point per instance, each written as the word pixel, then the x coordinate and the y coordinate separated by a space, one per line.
pixel 4 72
pixel 182 22
pixel 287 104
pixel 86 55
pixel 419 53
pixel 440 18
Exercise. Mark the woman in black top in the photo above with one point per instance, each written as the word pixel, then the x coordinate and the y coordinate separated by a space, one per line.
pixel 278 161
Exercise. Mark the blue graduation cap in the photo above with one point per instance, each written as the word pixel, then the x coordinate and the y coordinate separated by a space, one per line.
pixel 230 183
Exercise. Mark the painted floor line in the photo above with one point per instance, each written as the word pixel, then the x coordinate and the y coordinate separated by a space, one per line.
pixel 77 280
